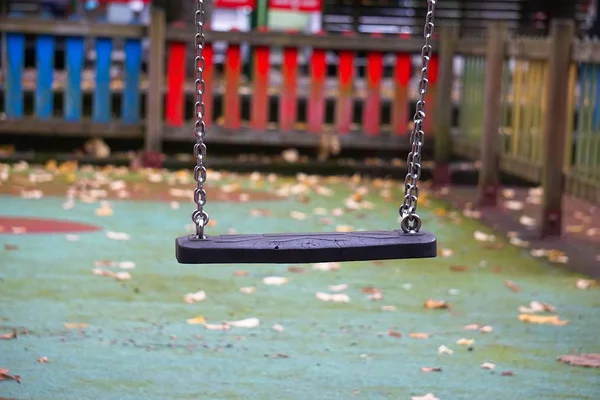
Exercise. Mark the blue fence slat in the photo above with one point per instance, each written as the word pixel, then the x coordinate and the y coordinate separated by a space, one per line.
pixel 130 112
pixel 596 105
pixel 13 95
pixel 44 98
pixel 102 101
pixel 74 62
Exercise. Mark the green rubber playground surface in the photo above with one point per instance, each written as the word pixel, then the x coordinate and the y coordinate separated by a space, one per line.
pixel 105 338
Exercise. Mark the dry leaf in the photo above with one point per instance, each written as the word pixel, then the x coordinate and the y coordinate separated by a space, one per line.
pixel 104 212
pixel 334 298
pixel 199 320
pixel 536 306
pixel 486 329
pixel 514 205
pixel 393 333
pixel 126 265
pixel 584 284
pixel 9 336
pixel 445 252
pixel 515 241
pixel 508 193
pixel 436 304
pixel 431 369
pixel 542 319
pixel 445 350
pixel 591 360
pixel 417 335
pixel 512 286
pixel 326 266
pixel 344 228
pixel 277 328
pixel 275 280
pixel 527 221
pixel 297 215
pixel 458 268
pixel 465 342
pixel 247 290
pixel 483 237
pixel 428 396
pixel 195 297
pixel 388 308
pixel 240 273
pixel 217 327
pixel 75 325
pixel 42 360
pixel 117 235
pixel 338 288
pixel 4 375
pixel 245 323
pixel 487 365
pixel 297 270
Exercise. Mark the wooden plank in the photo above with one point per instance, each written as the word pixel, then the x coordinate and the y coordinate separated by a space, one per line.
pixel 487 190
pixel 386 44
pixel 316 97
pixel 586 51
pixel 156 75
pixel 345 100
pixel 372 106
pixel 260 88
pixel 44 98
pixel 61 128
pixel 130 111
pixel 288 100
pixel 233 70
pixel 13 95
pixel 102 107
pixel 175 98
pixel 528 48
pixel 471 46
pixel 562 32
pixel 400 106
pixel 442 117
pixel 431 96
pixel 74 63
pixel 36 26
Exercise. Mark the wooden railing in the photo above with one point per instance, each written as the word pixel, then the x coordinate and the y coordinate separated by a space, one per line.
pixel 526 106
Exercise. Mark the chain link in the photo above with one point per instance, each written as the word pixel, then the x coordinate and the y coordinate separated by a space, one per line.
pixel 199 216
pixel 411 222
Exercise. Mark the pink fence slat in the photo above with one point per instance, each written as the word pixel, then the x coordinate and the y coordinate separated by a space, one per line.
pixel 233 70
pixel 260 88
pixel 402 75
pixel 372 107
pixel 316 101
pixel 288 99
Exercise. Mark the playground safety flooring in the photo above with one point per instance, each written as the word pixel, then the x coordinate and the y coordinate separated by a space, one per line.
pixel 81 335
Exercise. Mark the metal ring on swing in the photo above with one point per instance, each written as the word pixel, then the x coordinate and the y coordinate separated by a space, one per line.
pixel 410 223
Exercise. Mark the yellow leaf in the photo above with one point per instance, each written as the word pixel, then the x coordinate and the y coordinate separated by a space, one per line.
pixel 75 325
pixel 417 335
pixel 199 320
pixel 542 319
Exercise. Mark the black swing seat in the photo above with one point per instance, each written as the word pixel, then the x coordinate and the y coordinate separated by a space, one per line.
pixel 302 248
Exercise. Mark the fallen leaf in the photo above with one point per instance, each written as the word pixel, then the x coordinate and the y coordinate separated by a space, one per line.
pixel 275 280
pixel 542 319
pixel 388 308
pixel 431 369
pixel 199 320
pixel 428 396
pixel 104 212
pixel 280 355
pixel 507 373
pixel 584 284
pixel 195 297
pixel 247 290
pixel 217 327
pixel 465 342
pixel 117 235
pixel 508 193
pixel 486 329
pixel 417 335
pixel 126 265
pixel 445 252
pixel 458 268
pixel 514 205
pixel 42 360
pixel 515 241
pixel 240 273
pixel 10 247
pixel 245 323
pixel 338 288
pixel 277 328
pixel 512 286
pixel 344 228
pixel 527 221
pixel 75 325
pixel 297 215
pixel 9 336
pixel 297 270
pixel 334 298
pixel 326 266
pixel 487 365
pixel 4 375
pixel 434 304
pixel 393 333
pixel 445 350
pixel 536 306
pixel 591 360
pixel 483 237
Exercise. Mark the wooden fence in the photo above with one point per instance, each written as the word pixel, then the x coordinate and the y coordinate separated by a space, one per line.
pixel 527 106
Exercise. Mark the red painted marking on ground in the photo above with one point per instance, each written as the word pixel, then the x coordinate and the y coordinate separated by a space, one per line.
pixel 27 226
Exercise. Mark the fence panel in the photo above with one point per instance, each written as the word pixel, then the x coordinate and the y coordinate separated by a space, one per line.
pixel 470 121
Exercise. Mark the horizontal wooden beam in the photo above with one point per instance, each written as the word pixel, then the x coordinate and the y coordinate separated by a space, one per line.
pixel 586 51
pixel 37 26
pixel 392 44
pixel 471 46
pixel 528 48
pixel 59 127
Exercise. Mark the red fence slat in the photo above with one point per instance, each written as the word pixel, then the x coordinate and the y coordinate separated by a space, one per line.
pixel 288 99
pixel 345 99
pixel 402 75
pixel 233 69
pixel 316 101
pixel 175 98
pixel 372 107
pixel 260 88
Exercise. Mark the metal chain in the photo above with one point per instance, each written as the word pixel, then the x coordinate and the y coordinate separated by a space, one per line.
pixel 199 216
pixel 411 223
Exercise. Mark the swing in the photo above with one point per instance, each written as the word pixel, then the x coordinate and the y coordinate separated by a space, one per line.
pixel 295 248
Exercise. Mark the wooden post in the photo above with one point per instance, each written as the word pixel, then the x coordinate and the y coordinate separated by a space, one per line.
pixel 489 180
pixel 555 135
pixel 442 118
pixel 156 76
